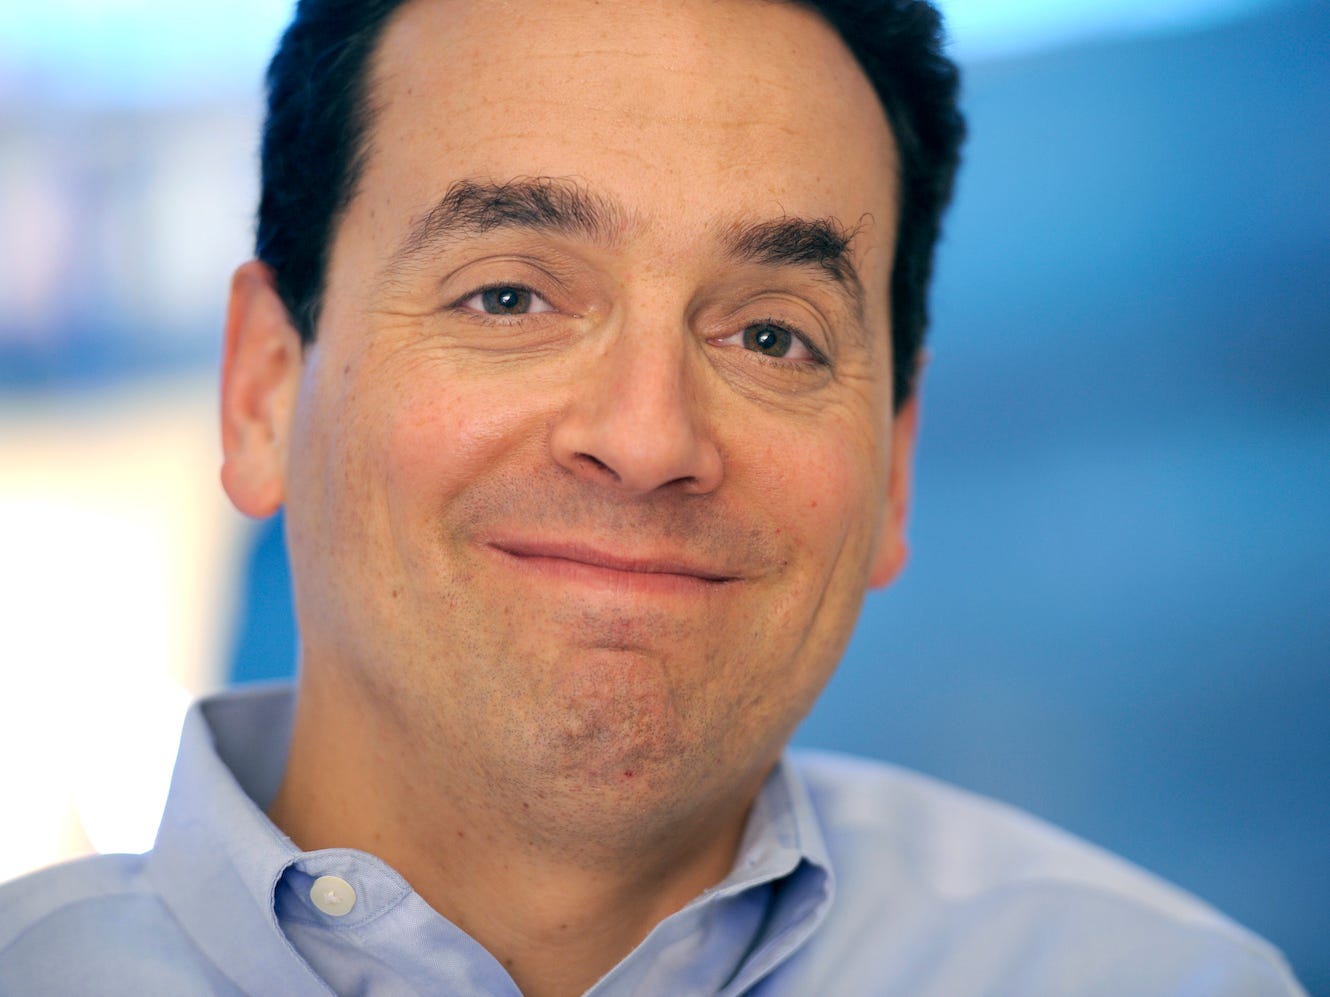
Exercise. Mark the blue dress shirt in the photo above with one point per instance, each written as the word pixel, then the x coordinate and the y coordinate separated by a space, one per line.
pixel 853 878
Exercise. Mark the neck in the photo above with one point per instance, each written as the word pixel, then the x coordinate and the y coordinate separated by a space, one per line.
pixel 557 906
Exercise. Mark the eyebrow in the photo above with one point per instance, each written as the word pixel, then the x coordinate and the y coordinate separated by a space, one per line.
pixel 472 208
pixel 820 244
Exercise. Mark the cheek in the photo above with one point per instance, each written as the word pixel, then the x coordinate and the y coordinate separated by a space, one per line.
pixel 443 435
pixel 825 491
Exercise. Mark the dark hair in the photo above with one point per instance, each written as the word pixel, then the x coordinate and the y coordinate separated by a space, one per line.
pixel 315 143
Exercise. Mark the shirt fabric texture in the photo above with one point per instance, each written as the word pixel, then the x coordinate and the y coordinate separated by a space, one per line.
pixel 853 878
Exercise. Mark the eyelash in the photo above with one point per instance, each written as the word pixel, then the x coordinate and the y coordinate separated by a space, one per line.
pixel 505 285
pixel 816 357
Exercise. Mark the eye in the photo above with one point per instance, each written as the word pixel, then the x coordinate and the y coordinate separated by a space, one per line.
pixel 506 299
pixel 774 340
pixel 770 340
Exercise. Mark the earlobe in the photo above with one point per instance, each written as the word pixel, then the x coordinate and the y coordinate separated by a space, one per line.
pixel 893 549
pixel 261 368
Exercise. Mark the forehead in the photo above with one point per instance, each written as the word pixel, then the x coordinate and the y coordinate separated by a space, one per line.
pixel 690 114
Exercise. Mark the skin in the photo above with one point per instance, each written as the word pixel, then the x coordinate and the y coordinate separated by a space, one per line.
pixel 568 578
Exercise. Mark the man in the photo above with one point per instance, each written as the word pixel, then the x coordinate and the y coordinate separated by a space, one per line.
pixel 580 353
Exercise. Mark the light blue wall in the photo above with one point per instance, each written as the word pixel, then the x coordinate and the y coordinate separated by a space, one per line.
pixel 1118 610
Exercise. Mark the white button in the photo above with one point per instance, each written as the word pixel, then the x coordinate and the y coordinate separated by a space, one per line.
pixel 333 895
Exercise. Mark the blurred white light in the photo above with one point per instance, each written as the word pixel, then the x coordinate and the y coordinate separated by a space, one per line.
pixel 116 587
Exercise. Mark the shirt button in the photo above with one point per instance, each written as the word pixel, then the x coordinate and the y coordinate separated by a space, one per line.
pixel 333 895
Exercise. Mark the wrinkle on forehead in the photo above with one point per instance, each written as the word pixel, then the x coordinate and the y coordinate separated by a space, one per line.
pixel 705 46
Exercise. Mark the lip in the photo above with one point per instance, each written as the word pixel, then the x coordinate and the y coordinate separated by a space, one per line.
pixel 581 562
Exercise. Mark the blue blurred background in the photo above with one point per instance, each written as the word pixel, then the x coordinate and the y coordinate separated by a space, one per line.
pixel 1116 615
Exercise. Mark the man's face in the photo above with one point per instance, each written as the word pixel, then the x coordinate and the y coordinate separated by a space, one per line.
pixel 593 458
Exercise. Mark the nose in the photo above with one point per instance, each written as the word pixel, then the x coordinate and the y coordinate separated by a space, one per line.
pixel 636 423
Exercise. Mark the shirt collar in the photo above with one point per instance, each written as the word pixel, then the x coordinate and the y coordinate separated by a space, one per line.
pixel 783 844
pixel 218 858
pixel 217 853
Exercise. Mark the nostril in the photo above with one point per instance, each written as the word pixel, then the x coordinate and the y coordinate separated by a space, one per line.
pixel 597 464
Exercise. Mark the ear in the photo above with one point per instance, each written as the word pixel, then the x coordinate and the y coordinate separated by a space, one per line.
pixel 261 369
pixel 892 548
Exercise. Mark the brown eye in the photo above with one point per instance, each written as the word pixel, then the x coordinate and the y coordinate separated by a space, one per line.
pixel 771 340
